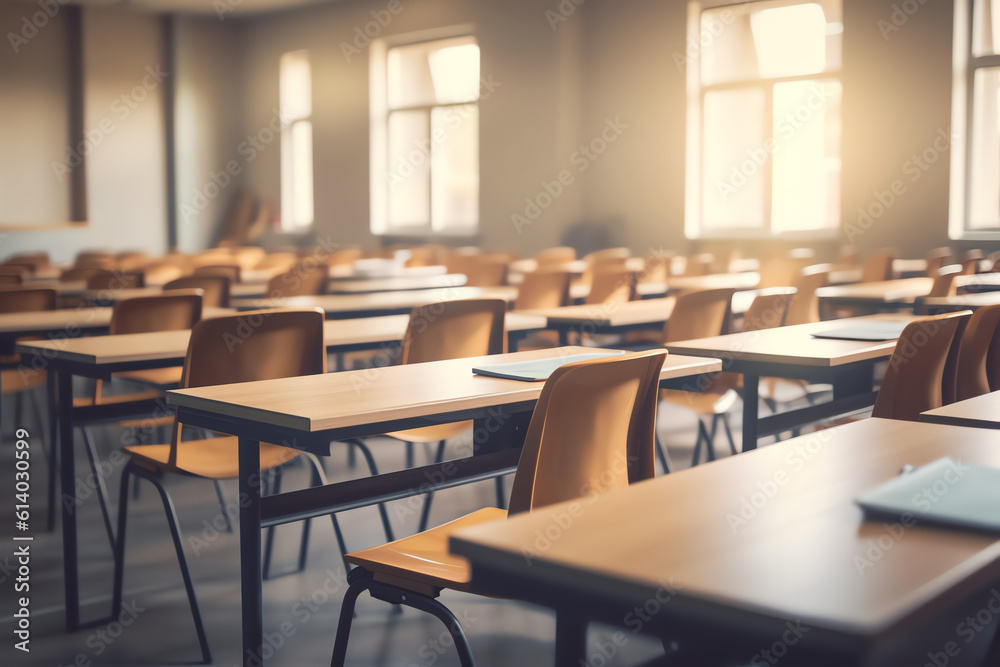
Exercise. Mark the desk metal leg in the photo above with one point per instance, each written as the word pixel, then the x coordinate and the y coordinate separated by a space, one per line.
pixel 52 392
pixel 69 504
pixel 751 385
pixel 250 558
pixel 571 639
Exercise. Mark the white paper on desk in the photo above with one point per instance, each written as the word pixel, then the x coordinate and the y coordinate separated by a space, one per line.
pixel 943 492
pixel 874 331
pixel 539 369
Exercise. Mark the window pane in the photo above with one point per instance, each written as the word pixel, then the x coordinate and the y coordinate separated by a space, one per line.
pixel 455 181
pixel 440 72
pixel 769 39
pixel 984 195
pixel 295 85
pixel 734 159
pixel 986 27
pixel 409 169
pixel 806 157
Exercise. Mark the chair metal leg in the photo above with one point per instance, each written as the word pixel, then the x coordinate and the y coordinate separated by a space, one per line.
pixel 426 511
pixel 36 410
pixel 662 455
pixel 222 505
pixel 175 534
pixel 319 479
pixel 271 486
pixel 729 433
pixel 116 596
pixel 710 447
pixel 358 583
pixel 352 459
pixel 501 493
pixel 702 434
pixel 409 454
pixel 373 470
pixel 102 490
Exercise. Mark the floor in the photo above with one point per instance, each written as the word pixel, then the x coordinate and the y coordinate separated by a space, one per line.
pixel 300 610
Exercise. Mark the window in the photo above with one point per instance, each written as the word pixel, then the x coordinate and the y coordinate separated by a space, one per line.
pixel 296 142
pixel 975 170
pixel 764 111
pixel 425 137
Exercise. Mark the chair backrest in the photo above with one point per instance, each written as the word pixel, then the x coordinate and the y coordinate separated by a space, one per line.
pixel 215 289
pixel 112 280
pixel 30 260
pixel 612 286
pixel 454 330
pixel 10 278
pixel 543 289
pixel 555 258
pixel 699 265
pixel 970 261
pixel 804 307
pixel 847 254
pixel 944 281
pixel 160 273
pixel 282 260
pixel 699 314
pixel 248 256
pixel 980 341
pixel 922 369
pixel 656 267
pixel 937 259
pixel 20 270
pixel 78 274
pixel 27 300
pixel 231 271
pixel 256 345
pixel 768 309
pixel 488 271
pixel 344 256
pixel 172 311
pixel 878 265
pixel 592 430
pixel 300 280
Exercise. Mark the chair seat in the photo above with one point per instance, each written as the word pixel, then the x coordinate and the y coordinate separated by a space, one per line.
pixel 13 381
pixel 162 378
pixel 704 403
pixel 422 562
pixel 86 401
pixel 433 433
pixel 143 423
pixel 213 458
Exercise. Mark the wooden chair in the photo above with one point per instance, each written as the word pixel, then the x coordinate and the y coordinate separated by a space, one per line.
pixel 543 289
pixel 564 457
pixel 554 258
pixel 344 256
pixel 944 281
pixel 488 270
pixel 970 261
pixel 80 274
pixel 922 370
pixel 848 255
pixel 19 271
pixel 445 330
pixel 230 271
pixel 613 286
pixel 32 261
pixel 656 267
pixel 804 306
pixel 248 256
pixel 12 380
pixel 10 278
pixel 160 273
pixel 279 261
pixel 701 314
pixel 979 354
pixel 112 280
pixel 878 265
pixel 300 280
pixel 287 343
pixel 937 259
pixel 699 265
pixel 215 289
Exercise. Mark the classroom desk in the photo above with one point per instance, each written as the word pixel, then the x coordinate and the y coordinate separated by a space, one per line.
pixel 979 412
pixel 310 412
pixel 882 295
pixel 607 318
pixel 980 282
pixel 946 304
pixel 344 306
pixel 791 352
pixel 715 559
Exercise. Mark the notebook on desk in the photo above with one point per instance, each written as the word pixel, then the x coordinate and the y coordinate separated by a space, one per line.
pixel 539 369
pixel 943 492
pixel 873 331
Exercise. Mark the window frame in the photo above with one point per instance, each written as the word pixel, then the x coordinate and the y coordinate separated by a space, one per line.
pixel 965 66
pixel 694 227
pixel 380 115
pixel 288 157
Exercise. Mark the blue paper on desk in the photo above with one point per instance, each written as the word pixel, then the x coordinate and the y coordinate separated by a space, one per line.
pixel 874 331
pixel 943 492
pixel 538 369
